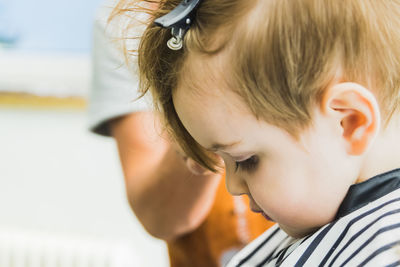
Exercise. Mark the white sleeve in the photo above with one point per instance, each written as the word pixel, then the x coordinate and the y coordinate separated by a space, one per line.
pixel 114 86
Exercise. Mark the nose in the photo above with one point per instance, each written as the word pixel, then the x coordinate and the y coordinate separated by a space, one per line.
pixel 235 184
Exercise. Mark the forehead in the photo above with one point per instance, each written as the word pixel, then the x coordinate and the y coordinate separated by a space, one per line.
pixel 222 118
pixel 210 112
pixel 203 73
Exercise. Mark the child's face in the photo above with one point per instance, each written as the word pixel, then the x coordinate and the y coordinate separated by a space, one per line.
pixel 298 184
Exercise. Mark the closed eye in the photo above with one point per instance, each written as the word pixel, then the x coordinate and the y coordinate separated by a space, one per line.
pixel 248 165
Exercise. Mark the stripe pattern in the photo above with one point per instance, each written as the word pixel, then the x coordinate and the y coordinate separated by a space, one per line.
pixel 368 236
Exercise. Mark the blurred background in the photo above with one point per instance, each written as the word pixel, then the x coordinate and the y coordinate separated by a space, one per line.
pixel 62 197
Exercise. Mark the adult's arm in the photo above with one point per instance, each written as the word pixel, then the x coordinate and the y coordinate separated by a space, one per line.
pixel 167 198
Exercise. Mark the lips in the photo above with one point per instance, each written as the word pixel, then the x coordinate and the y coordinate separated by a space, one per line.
pixel 254 208
pixel 263 214
pixel 256 211
pixel 266 217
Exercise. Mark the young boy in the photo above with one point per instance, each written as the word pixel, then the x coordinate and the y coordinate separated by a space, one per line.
pixel 301 101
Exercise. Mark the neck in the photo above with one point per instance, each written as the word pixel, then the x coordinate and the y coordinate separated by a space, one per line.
pixel 384 155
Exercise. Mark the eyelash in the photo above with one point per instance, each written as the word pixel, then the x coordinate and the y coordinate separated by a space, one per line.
pixel 249 164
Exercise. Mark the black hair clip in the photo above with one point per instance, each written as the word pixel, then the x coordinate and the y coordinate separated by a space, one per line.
pixel 179 20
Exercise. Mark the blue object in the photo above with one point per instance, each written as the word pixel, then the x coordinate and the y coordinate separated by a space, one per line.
pixel 47 25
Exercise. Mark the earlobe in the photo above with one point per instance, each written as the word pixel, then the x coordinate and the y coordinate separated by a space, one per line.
pixel 356 111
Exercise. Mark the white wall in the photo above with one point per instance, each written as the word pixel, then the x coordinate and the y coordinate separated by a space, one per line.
pixel 45 74
pixel 56 177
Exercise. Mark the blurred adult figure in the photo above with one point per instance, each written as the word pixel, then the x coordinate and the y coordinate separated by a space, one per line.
pixel 174 198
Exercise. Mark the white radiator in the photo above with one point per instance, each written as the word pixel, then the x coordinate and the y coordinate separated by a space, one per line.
pixel 20 249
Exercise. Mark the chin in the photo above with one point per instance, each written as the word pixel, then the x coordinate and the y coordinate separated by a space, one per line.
pixel 298 232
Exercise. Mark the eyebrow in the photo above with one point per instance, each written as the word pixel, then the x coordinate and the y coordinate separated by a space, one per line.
pixel 218 146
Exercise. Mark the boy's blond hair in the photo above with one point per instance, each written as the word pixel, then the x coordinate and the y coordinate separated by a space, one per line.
pixel 279 55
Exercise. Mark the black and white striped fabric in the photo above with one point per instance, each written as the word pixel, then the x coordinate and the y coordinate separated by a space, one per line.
pixel 366 232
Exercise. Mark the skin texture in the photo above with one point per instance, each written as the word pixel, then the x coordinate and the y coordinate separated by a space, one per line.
pixel 161 185
pixel 299 183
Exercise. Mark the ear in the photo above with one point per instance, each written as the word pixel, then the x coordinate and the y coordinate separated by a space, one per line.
pixel 356 112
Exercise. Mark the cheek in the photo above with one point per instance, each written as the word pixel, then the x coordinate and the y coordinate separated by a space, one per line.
pixel 276 188
pixel 293 192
